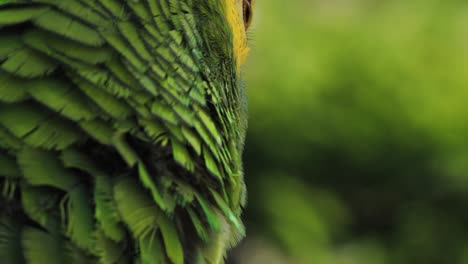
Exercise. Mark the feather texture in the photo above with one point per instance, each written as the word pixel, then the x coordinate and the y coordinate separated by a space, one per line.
pixel 121 125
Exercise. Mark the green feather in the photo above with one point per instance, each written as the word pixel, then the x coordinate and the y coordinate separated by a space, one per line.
pixel 210 214
pixel 182 156
pixel 171 240
pixel 81 81
pixel 165 112
pixel 9 141
pixel 63 98
pixel 151 250
pixel 44 168
pixel 14 16
pixel 108 251
pixel 104 80
pixel 40 205
pixel 125 50
pixel 148 183
pixel 197 223
pixel 116 8
pixel 192 139
pixel 127 153
pixel 153 128
pixel 130 32
pixel 98 130
pixel 124 76
pixel 209 124
pixel 76 255
pixel 211 164
pixel 10 240
pixel 136 207
pixel 80 218
pixel 80 9
pixel 13 89
pixel 63 47
pixel 140 10
pixel 184 113
pixel 198 96
pixel 9 43
pixel 66 26
pixel 40 247
pixel 114 107
pixel 8 166
pixel 106 209
pixel 38 127
pixel 27 63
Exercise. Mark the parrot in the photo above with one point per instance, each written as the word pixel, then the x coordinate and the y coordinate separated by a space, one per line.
pixel 122 127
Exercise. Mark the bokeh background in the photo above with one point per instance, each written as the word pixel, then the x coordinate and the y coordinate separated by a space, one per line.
pixel 357 151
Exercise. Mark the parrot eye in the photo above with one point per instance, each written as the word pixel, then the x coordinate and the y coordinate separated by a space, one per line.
pixel 247 8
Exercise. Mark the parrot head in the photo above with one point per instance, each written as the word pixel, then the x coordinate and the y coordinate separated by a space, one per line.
pixel 226 51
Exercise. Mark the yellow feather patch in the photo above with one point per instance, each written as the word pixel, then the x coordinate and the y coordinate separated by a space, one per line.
pixel 234 15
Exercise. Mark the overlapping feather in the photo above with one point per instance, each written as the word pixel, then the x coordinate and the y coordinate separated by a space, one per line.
pixel 78 76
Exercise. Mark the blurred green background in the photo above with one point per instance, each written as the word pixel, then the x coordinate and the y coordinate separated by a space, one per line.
pixel 357 150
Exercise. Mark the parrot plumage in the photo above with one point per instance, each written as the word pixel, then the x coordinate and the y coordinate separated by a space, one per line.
pixel 121 130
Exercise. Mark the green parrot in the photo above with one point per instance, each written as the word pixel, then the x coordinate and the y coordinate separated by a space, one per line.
pixel 121 130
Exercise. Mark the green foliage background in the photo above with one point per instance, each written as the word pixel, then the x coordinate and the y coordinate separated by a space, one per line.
pixel 357 150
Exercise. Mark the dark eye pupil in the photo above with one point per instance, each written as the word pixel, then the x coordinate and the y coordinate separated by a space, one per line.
pixel 247 13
